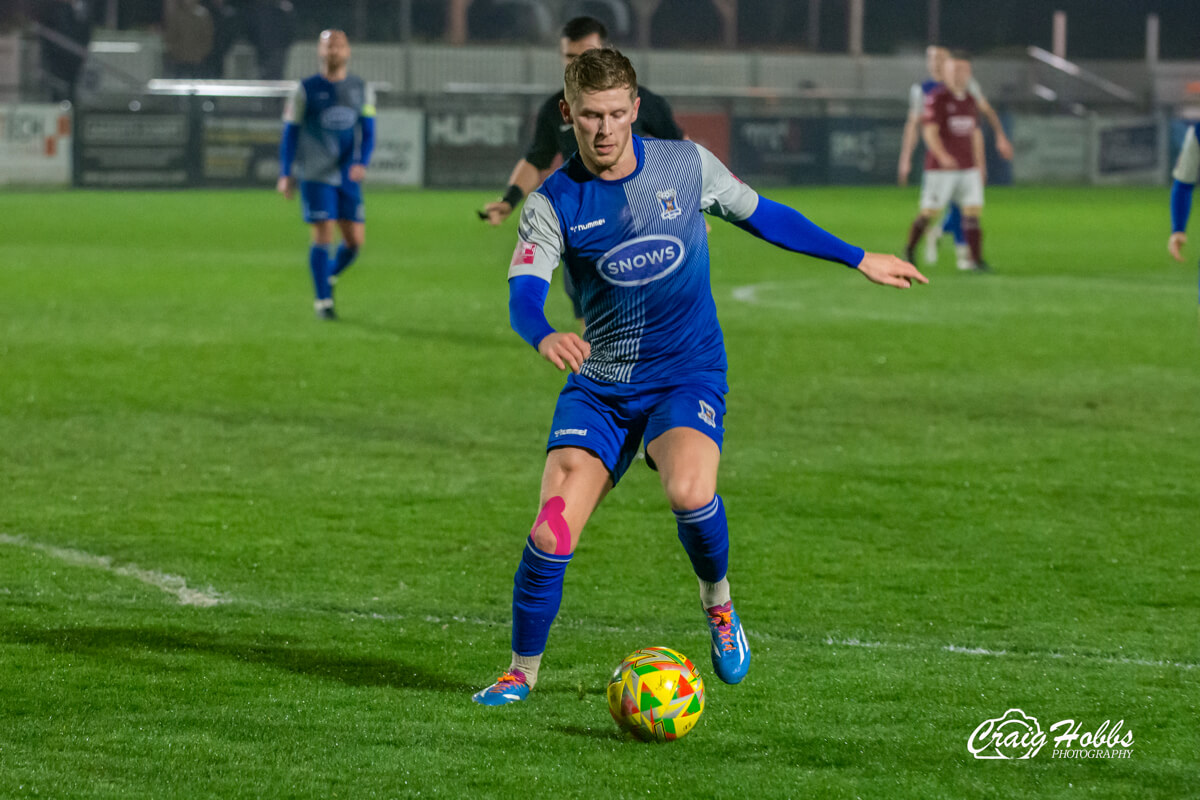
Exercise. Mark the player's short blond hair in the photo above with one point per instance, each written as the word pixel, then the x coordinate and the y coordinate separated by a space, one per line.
pixel 597 71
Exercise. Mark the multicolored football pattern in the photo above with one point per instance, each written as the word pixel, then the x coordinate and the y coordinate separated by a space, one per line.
pixel 656 694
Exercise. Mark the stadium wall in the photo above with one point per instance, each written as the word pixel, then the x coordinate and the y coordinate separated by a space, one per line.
pixel 459 117
pixel 423 69
pixel 471 141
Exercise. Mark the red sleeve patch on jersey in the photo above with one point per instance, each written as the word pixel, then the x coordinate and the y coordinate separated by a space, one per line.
pixel 523 255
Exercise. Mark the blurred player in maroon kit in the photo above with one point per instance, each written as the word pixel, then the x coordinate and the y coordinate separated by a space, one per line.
pixel 954 161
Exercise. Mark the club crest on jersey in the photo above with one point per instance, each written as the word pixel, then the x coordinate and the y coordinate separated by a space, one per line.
pixel 639 261
pixel 708 414
pixel 670 205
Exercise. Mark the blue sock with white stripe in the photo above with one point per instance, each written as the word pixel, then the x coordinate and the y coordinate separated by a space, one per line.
pixel 318 264
pixel 344 258
pixel 537 594
pixel 705 536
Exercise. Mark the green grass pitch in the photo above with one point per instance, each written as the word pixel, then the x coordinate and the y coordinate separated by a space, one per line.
pixel 945 503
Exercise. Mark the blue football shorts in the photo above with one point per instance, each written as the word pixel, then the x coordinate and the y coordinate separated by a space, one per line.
pixel 323 201
pixel 612 419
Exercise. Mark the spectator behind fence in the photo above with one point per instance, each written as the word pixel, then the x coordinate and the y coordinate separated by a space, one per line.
pixel 187 37
pixel 70 20
pixel 227 26
pixel 271 28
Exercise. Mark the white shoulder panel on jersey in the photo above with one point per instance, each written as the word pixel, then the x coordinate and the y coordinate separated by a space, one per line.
pixel 541 243
pixel 293 110
pixel 722 194
pixel 916 99
pixel 1187 168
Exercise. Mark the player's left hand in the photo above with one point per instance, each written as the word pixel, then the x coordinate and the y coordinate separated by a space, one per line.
pixel 1004 148
pixel 888 270
pixel 358 173
pixel 286 186
pixel 565 350
pixel 1175 245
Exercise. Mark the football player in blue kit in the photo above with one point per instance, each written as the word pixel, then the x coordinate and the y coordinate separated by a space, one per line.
pixel 623 213
pixel 1185 174
pixel 328 136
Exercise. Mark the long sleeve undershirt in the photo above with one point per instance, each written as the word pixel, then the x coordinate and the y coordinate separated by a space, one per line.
pixel 786 227
pixel 1181 205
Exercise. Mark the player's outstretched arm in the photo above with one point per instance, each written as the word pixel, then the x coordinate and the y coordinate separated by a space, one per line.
pixel 888 270
pixel 786 227
pixel 1181 209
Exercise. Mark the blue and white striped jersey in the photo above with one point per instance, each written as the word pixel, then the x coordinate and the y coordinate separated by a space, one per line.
pixel 637 252
pixel 329 116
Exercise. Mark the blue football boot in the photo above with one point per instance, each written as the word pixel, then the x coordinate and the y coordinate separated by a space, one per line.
pixel 511 688
pixel 730 650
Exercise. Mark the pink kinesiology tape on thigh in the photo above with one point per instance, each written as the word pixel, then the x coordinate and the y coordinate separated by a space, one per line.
pixel 552 515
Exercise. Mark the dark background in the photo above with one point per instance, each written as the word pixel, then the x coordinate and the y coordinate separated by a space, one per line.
pixel 1095 28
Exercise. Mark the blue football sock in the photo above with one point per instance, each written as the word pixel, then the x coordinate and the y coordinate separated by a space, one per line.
pixel 705 536
pixel 952 224
pixel 318 264
pixel 344 258
pixel 537 594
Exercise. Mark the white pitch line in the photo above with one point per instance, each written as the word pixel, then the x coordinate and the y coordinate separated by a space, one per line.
pixel 171 584
pixel 983 651
pixel 753 293
pixel 176 586
pixel 746 294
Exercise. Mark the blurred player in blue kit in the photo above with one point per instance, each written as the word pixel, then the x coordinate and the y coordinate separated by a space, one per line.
pixel 624 215
pixel 328 136
pixel 1186 173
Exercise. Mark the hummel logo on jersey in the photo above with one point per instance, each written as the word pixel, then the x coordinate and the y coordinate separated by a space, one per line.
pixel 588 225
pixel 708 414
pixel 670 206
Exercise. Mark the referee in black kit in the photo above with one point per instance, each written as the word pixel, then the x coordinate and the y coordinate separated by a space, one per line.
pixel 552 136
